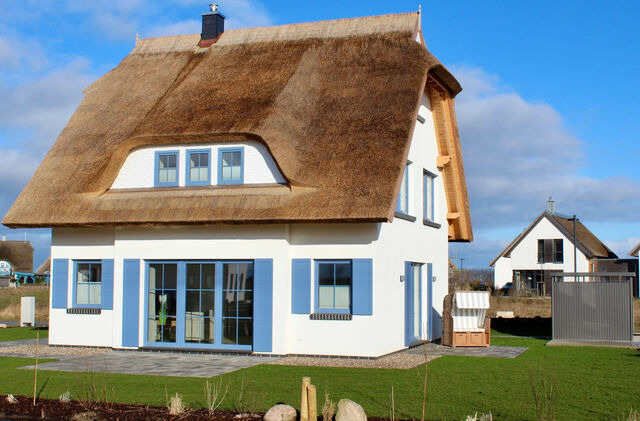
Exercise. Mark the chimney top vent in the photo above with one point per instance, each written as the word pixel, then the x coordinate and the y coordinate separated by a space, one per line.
pixel 550 206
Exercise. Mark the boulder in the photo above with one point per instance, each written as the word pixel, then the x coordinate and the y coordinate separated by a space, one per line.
pixel 3 326
pixel 348 410
pixel 87 416
pixel 281 413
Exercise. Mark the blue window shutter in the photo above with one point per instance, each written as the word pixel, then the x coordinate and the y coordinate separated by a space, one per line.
pixel 262 305
pixel 301 286
pixel 430 312
pixel 408 303
pixel 107 284
pixel 130 302
pixel 362 287
pixel 59 283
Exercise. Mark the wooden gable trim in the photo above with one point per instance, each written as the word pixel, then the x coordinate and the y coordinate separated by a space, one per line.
pixel 635 251
pixel 450 161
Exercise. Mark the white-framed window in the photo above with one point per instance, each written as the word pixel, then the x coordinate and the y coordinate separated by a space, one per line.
pixel 429 198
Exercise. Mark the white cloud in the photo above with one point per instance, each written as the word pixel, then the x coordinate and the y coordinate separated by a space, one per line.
pixel 623 247
pixel 518 153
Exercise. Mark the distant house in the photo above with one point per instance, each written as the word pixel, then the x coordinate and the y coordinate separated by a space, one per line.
pixel 636 253
pixel 284 190
pixel 546 247
pixel 15 257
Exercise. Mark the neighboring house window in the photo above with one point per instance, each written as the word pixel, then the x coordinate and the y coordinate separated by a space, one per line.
pixel 230 165
pixel 334 286
pixel 429 196
pixel 88 283
pixel 198 167
pixel 550 251
pixel 166 169
pixel 403 198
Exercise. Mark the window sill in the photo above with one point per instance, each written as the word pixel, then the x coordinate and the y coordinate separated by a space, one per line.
pixel 330 316
pixel 430 223
pixel 405 216
pixel 84 310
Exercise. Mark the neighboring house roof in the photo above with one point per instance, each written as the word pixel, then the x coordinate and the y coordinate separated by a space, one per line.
pixel 19 254
pixel 635 251
pixel 45 267
pixel 586 241
pixel 334 102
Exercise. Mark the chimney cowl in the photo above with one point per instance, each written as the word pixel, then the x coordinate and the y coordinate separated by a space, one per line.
pixel 550 206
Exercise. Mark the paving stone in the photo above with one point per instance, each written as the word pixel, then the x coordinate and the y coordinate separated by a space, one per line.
pixel 491 351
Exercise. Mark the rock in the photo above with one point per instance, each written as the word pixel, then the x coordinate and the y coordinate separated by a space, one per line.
pixel 505 314
pixel 281 413
pixel 348 410
pixel 86 416
pixel 3 326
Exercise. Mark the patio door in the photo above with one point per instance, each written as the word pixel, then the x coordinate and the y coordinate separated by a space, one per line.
pixel 413 302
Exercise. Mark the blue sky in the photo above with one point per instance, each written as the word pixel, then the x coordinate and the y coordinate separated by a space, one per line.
pixel 549 107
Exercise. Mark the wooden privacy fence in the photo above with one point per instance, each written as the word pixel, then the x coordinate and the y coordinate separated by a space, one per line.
pixel 592 311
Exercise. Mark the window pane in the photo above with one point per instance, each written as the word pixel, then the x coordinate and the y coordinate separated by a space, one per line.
pixel 226 173
pixel 171 302
pixel 343 274
pixel 226 159
pixel 235 173
pixel 193 329
pixel 325 296
pixel 193 302
pixel 229 303
pixel 153 333
pixel 343 297
pixel 155 276
pixel 82 293
pixel 203 174
pixel 245 303
pixel 162 176
pixel 207 303
pixel 229 331
pixel 194 174
pixel 95 273
pixel 169 330
pixel 170 275
pixel 162 161
pixel 229 276
pixel 83 272
pixel 208 276
pixel 193 276
pixel 245 331
pixel 325 273
pixel 171 161
pixel 245 273
pixel 172 176
pixel 237 159
pixel 208 329
pixel 95 292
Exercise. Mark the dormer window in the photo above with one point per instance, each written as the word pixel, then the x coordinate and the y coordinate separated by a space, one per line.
pixel 230 165
pixel 166 167
pixel 198 167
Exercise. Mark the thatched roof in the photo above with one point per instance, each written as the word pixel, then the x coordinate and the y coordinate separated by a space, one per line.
pixel 586 241
pixel 18 253
pixel 635 251
pixel 45 267
pixel 334 102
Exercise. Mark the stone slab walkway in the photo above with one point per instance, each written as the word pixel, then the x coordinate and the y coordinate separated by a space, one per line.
pixel 155 363
pixel 491 351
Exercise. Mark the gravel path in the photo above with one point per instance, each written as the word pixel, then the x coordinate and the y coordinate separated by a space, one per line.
pixel 46 350
pixel 401 360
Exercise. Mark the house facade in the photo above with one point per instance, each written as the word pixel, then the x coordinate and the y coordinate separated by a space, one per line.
pixel 282 190
pixel 546 248
pixel 16 261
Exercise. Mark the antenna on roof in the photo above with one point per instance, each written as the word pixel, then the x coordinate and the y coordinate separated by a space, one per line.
pixel 550 206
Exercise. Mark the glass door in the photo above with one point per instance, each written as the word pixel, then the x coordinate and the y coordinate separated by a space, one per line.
pixel 237 303
pixel 200 303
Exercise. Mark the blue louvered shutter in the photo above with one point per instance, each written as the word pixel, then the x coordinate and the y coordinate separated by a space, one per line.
pixel 107 284
pixel 130 302
pixel 262 305
pixel 59 283
pixel 362 287
pixel 301 286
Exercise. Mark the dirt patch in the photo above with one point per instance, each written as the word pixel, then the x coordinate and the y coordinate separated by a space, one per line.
pixel 521 307
pixel 51 409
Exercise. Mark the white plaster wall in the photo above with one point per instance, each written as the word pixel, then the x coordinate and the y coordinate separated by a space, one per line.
pixel 138 169
pixel 502 272
pixel 80 329
pixel 525 254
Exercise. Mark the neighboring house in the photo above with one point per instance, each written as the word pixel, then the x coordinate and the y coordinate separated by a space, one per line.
pixel 15 257
pixel 284 190
pixel 545 248
pixel 636 252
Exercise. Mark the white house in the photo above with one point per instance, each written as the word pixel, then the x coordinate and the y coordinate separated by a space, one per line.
pixel 546 247
pixel 278 190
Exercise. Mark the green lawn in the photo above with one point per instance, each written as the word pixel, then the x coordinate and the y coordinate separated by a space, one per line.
pixel 592 383
pixel 19 333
